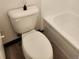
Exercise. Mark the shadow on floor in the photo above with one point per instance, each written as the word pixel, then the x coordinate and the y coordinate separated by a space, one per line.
pixel 14 51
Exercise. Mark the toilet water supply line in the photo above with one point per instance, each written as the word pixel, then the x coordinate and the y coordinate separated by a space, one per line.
pixel 2 52
pixel 1 35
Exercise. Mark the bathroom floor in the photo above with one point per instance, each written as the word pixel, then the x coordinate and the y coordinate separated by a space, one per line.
pixel 14 51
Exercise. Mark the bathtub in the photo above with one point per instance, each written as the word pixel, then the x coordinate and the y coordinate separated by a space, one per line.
pixel 65 28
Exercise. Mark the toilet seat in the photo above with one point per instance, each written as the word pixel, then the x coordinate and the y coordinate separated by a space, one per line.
pixel 36 46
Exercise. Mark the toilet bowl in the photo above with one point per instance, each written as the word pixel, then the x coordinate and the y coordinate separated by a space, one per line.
pixel 36 46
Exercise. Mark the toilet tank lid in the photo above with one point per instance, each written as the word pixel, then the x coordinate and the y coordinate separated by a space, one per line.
pixel 19 12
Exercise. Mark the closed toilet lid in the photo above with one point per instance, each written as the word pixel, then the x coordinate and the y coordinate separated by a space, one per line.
pixel 36 45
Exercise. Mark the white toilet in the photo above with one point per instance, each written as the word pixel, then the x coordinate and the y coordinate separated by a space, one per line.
pixel 35 44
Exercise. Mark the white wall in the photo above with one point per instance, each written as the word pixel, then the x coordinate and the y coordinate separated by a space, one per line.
pixel 75 6
pixel 53 6
pixel 5 25
pixel 56 6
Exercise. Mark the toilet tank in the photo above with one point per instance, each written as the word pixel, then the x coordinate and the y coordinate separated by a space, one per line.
pixel 24 20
